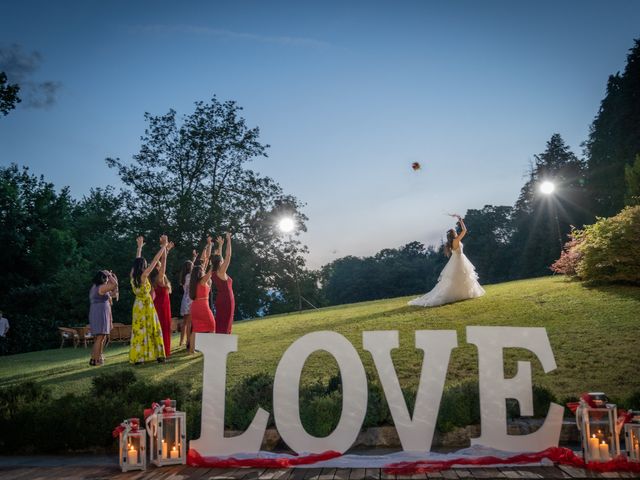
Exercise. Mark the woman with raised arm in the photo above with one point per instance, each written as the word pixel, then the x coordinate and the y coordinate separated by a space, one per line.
pixel 146 333
pixel 202 320
pixel 161 300
pixel 104 288
pixel 458 279
pixel 225 301
pixel 185 305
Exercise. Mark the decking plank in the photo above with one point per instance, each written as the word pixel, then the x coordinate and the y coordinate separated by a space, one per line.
pixel 357 474
pixel 372 474
pixel 312 473
pixel 342 474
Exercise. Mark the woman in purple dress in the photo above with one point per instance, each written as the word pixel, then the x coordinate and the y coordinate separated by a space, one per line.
pixel 105 287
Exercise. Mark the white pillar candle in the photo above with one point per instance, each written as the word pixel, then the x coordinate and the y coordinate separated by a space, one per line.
pixel 604 452
pixel 164 449
pixel 132 455
pixel 594 449
pixel 174 453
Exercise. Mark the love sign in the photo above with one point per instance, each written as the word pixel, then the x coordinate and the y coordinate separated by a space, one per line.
pixel 414 429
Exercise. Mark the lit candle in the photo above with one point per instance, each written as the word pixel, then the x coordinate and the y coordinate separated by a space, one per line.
pixel 164 449
pixel 636 450
pixel 174 452
pixel 132 455
pixel 594 452
pixel 604 452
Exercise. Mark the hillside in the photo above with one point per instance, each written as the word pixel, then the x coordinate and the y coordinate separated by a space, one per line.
pixel 593 333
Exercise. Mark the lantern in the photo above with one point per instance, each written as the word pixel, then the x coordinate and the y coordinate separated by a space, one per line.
pixel 167 432
pixel 133 445
pixel 632 441
pixel 596 420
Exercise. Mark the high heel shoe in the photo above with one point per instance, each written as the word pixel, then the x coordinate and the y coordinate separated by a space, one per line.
pixel 92 363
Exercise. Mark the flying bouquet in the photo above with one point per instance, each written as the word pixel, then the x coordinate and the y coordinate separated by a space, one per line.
pixel 416 166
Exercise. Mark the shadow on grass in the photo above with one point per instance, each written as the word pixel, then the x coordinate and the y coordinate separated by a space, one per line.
pixel 626 291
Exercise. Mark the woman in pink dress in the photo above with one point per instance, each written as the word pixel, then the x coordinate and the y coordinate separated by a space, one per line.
pixel 161 301
pixel 225 301
pixel 202 320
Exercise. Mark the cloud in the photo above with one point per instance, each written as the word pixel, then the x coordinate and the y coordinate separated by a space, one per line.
pixel 231 35
pixel 20 66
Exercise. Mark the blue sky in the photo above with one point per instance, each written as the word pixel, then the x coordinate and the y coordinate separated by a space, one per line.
pixel 347 94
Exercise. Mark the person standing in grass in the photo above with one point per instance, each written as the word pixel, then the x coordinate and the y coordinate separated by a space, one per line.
pixel 225 302
pixel 146 333
pixel 202 319
pixel 458 279
pixel 4 331
pixel 161 300
pixel 185 305
pixel 104 288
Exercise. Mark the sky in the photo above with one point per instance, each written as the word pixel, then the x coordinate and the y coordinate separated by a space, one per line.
pixel 347 94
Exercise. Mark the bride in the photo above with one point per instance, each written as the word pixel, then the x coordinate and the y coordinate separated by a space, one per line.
pixel 458 280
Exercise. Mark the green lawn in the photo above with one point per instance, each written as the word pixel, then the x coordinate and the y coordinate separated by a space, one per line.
pixel 593 332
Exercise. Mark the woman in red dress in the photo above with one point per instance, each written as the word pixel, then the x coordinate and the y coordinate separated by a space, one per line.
pixel 162 289
pixel 225 301
pixel 202 320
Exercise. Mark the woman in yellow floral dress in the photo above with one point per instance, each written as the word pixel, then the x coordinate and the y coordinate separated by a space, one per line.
pixel 146 333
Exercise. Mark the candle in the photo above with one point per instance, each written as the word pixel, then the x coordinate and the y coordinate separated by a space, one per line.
pixel 164 449
pixel 604 452
pixel 594 451
pixel 636 450
pixel 174 452
pixel 132 455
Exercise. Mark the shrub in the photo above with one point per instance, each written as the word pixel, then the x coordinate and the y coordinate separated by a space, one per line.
pixel 244 398
pixel 459 407
pixel 607 251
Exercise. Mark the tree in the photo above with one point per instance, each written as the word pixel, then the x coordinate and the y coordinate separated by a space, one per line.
pixel 614 137
pixel 410 269
pixel 191 178
pixel 632 180
pixel 489 243
pixel 542 222
pixel 8 95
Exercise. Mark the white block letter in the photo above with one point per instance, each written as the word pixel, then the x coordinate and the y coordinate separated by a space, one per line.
pixel 212 441
pixel 495 389
pixel 415 433
pixel 286 403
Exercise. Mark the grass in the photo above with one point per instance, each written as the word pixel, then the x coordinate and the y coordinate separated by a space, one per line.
pixel 593 334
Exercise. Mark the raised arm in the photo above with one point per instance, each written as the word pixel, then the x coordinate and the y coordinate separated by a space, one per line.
pixel 464 229
pixel 110 286
pixel 194 255
pixel 157 257
pixel 227 255
pixel 206 253
pixel 219 242
pixel 163 264
pixel 140 242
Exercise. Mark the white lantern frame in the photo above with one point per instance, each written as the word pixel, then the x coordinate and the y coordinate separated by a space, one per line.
pixel 593 438
pixel 167 423
pixel 632 441
pixel 130 438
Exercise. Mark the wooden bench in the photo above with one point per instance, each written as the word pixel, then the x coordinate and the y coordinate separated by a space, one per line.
pixel 68 334
pixel 84 334
pixel 120 333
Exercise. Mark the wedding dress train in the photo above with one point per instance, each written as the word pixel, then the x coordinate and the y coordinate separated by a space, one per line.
pixel 458 281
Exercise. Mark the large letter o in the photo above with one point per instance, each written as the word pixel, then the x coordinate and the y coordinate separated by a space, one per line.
pixel 286 404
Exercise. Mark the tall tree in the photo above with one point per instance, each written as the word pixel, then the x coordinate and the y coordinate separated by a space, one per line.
pixel 191 177
pixel 8 94
pixel 542 221
pixel 489 244
pixel 614 138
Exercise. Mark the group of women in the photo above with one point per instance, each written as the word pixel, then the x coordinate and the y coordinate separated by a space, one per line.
pixel 151 318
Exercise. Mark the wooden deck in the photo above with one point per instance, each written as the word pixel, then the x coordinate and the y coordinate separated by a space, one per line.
pixel 183 472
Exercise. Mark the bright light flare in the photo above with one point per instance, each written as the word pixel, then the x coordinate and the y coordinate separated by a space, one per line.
pixel 286 225
pixel 547 187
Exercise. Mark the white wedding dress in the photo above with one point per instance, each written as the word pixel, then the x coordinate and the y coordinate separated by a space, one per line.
pixel 458 281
